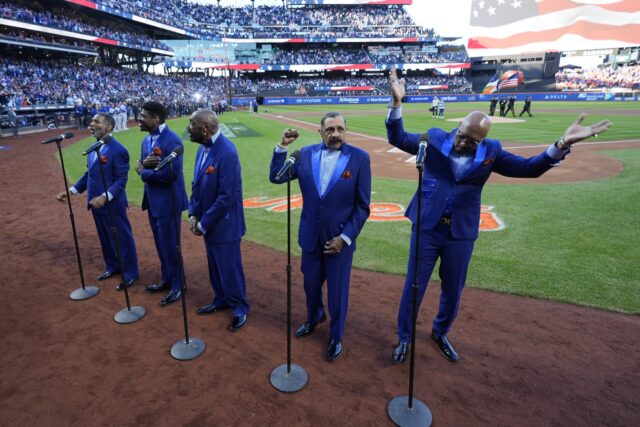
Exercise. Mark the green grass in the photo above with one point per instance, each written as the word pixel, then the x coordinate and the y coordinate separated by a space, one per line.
pixel 576 243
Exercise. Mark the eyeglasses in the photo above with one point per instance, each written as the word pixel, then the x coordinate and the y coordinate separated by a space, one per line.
pixel 468 138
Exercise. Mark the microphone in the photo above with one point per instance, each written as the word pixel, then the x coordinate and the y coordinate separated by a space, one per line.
pixel 58 138
pixel 94 147
pixel 170 158
pixel 293 158
pixel 422 150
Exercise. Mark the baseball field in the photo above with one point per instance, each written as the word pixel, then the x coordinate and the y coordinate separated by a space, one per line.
pixel 547 333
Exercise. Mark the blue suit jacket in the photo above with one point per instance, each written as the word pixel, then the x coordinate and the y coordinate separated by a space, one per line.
pixel 157 185
pixel 216 195
pixel 115 164
pixel 439 181
pixel 344 208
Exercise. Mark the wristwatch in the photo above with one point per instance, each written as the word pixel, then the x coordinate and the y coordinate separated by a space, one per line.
pixel 560 145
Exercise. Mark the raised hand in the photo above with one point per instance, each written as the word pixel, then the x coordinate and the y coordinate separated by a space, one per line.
pixel 397 86
pixel 288 136
pixel 577 132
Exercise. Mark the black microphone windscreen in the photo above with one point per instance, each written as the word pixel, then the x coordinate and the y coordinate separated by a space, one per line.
pixel 68 135
pixel 179 150
pixel 296 155
pixel 424 137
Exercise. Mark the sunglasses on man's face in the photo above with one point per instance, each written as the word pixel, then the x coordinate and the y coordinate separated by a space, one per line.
pixel 468 138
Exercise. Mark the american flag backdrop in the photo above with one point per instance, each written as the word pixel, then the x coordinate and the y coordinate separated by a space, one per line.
pixel 499 27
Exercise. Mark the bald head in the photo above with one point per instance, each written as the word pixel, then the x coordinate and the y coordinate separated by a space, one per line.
pixel 203 124
pixel 473 129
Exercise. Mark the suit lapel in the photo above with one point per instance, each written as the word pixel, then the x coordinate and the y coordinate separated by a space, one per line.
pixel 481 151
pixel 341 164
pixel 315 166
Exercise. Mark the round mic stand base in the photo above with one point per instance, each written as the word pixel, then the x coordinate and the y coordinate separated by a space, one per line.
pixel 84 293
pixel 289 382
pixel 129 316
pixel 400 413
pixel 183 350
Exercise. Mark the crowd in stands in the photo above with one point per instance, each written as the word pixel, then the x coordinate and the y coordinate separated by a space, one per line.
pixel 314 85
pixel 41 83
pixel 323 55
pixel 47 39
pixel 69 20
pixel 578 79
pixel 212 21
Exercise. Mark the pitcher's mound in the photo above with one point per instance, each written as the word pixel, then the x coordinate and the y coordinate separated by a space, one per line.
pixel 494 119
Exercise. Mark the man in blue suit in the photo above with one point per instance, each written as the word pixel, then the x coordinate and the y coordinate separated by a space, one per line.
pixel 216 212
pixel 114 159
pixel 457 165
pixel 335 180
pixel 158 199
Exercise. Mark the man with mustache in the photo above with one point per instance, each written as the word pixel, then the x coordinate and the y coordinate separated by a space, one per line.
pixel 114 159
pixel 457 165
pixel 335 180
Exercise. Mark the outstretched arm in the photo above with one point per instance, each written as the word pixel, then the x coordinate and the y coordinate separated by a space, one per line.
pixel 577 132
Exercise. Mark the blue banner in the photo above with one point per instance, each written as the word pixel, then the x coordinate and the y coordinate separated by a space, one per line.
pixel 426 99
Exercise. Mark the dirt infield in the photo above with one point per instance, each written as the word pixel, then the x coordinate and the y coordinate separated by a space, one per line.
pixel 584 164
pixel 524 362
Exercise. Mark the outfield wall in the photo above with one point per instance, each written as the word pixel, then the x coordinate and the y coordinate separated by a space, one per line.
pixel 324 100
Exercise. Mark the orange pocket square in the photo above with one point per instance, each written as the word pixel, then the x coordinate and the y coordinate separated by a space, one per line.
pixel 346 175
pixel 210 170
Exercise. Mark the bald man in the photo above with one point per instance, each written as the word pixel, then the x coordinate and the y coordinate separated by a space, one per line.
pixel 216 212
pixel 457 165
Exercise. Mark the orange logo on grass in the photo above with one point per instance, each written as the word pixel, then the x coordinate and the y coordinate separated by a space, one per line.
pixel 379 212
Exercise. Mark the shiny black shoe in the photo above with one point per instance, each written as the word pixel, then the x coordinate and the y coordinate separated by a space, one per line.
pixel 171 297
pixel 105 275
pixel 334 350
pixel 307 328
pixel 445 347
pixel 400 352
pixel 237 323
pixel 158 287
pixel 125 284
pixel 211 308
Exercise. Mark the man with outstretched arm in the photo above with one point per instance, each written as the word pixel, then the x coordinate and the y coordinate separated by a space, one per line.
pixel 457 165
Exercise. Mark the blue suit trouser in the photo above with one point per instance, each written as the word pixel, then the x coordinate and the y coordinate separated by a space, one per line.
pixel 227 276
pixel 164 236
pixel 336 269
pixel 129 267
pixel 455 256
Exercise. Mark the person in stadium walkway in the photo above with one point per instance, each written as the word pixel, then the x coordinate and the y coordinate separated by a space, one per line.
pixel 511 106
pixel 335 181
pixel 216 212
pixel 114 158
pixel 457 165
pixel 503 105
pixel 527 107
pixel 158 195
pixel 492 105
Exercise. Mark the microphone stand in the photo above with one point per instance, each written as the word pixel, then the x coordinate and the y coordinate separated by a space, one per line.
pixel 289 377
pixel 189 348
pixel 405 410
pixel 84 292
pixel 129 314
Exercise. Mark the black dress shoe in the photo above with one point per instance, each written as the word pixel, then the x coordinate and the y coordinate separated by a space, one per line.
pixel 400 352
pixel 307 328
pixel 445 347
pixel 105 275
pixel 238 322
pixel 334 350
pixel 158 287
pixel 125 284
pixel 171 297
pixel 212 308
